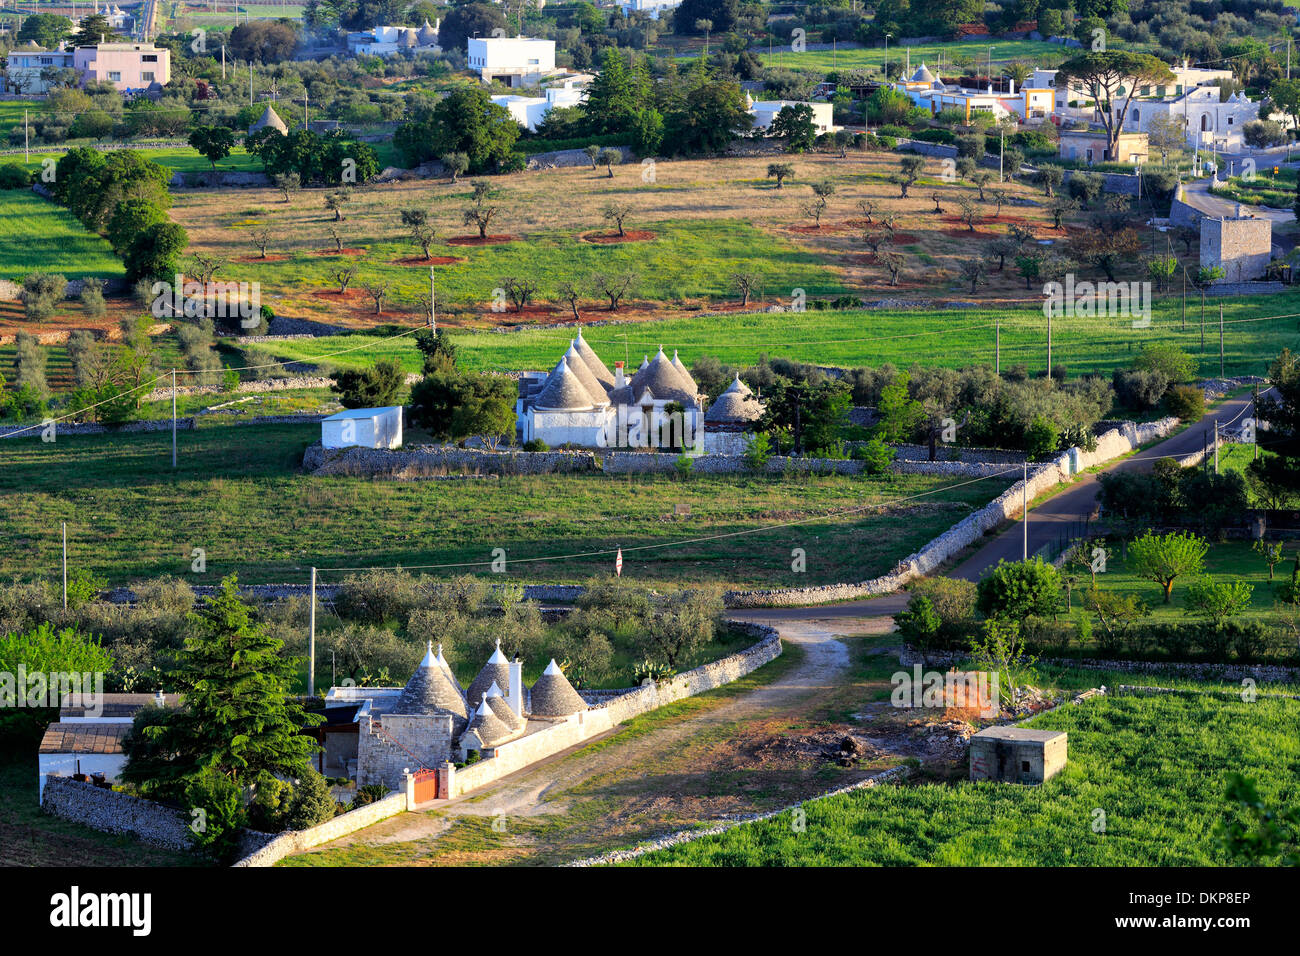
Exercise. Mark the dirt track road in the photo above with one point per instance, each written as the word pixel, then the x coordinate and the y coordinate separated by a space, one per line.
pixel 727 756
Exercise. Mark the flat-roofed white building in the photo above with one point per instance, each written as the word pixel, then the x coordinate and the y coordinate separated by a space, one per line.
pixel 512 61
pixel 363 427
pixel 765 111
pixel 652 8
pixel 529 111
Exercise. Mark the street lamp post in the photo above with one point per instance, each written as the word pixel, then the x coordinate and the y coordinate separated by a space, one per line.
pixel 887 36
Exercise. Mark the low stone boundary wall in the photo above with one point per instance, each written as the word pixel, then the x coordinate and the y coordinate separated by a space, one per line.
pixel 1118 441
pixel 295 841
pixel 115 812
pixel 434 459
pixel 573 730
pixel 93 428
pixel 688 836
pixel 243 388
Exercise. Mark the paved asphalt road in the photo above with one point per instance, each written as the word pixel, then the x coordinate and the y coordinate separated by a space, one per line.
pixel 1047 522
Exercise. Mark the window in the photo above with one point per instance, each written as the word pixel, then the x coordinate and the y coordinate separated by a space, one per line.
pixel 149 58
pixel 1024 766
pixel 146 77
pixel 1136 116
pixel 47 61
pixel 114 76
pixel 1229 120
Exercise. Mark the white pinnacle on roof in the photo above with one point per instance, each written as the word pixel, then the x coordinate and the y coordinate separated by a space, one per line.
pixel 493 691
pixel 430 658
pixel 552 668
pixel 497 657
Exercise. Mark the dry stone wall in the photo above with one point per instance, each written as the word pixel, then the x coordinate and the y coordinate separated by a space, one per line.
pixel 115 812
pixel 295 841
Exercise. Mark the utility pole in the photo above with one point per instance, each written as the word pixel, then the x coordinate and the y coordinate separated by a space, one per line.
pixel 997 347
pixel 250 81
pixel 1002 147
pixel 1216 448
pixel 27 156
pixel 305 123
pixel 311 639
pixel 1220 340
pixel 1184 298
pixel 173 418
pixel 1024 498
pixel 223 63
pixel 433 299
pixel 65 565
pixel 1049 347
pixel 1254 410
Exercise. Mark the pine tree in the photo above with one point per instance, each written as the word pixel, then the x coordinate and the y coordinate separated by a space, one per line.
pixel 236 720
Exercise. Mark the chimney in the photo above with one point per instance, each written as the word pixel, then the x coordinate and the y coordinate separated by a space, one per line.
pixel 159 700
pixel 516 696
pixel 618 375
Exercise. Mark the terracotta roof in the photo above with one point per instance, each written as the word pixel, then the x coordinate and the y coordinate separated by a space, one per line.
pixel 554 696
pixel 117 705
pixel 430 690
pixel 63 738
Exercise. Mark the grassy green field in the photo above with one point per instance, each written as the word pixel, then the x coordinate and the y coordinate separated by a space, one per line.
pixel 239 495
pixel 902 336
pixel 1227 560
pixel 1156 766
pixel 685 259
pixel 873 58
pixel 45 237
pixel 1264 189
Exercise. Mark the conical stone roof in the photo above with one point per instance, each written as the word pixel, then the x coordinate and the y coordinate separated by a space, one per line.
pixel 490 728
pixel 563 391
pixel 663 381
pixel 923 75
pixel 593 362
pixel 684 374
pixel 579 367
pixel 501 708
pixel 554 696
pixel 269 118
pixel 736 404
pixel 430 690
pixel 495 671
pixel 427 35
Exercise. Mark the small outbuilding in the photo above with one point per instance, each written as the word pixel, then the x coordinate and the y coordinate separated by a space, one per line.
pixel 1017 754
pixel 363 428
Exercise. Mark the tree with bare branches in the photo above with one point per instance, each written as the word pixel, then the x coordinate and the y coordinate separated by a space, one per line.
pixel 261 238
pixel 614 286
pixel 344 273
pixel 893 261
pixel 744 283
pixel 481 213
pixel 968 212
pixel 204 268
pixel 569 292
pixel 337 237
pixel 419 229
pixel 868 207
pixel 378 291
pixel 616 212
pixel 519 291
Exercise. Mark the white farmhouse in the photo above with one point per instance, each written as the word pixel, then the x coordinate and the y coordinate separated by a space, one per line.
pixel 765 111
pixel 512 61
pixel 651 8
pixel 530 111
pixel 390 40
pixel 87 738
pixel 363 428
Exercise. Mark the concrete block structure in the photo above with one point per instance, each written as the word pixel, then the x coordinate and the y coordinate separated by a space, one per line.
pixel 512 61
pixel 130 67
pixel 1093 146
pixel 765 111
pixel 1241 245
pixel 1017 754
pixel 363 427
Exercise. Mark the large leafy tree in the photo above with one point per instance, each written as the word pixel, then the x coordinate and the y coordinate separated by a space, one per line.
pixel 712 113
pixel 45 29
pixel 453 406
pixel 236 723
pixel 155 253
pixel 1163 558
pixel 616 96
pixel 1280 408
pixel 465 121
pixel 375 387
pixel 812 413
pixel 94 29
pixel 467 20
pixel 1113 79
pixel 795 125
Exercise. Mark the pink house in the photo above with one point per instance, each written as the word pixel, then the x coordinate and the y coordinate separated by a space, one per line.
pixel 128 66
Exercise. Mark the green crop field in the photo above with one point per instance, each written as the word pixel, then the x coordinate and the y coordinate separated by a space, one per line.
pixel 40 236
pixel 949 337
pixel 239 494
pixel 1157 767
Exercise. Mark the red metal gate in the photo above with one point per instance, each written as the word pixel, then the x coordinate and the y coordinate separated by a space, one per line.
pixel 426 786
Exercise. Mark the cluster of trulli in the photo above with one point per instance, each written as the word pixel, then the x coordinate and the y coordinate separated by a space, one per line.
pixel 496 707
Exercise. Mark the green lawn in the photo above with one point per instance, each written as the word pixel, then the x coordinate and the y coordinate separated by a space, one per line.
pixel 239 495
pixel 41 236
pixel 179 158
pixel 1157 767
pixel 952 337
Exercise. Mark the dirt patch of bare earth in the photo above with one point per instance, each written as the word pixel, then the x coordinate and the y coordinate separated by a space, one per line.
pixel 479 240
pixel 430 261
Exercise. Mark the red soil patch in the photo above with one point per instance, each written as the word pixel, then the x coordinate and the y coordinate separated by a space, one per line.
pixel 273 257
pixel 609 238
pixel 534 311
pixel 350 296
pixel 431 261
pixel 476 241
pixel 341 252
